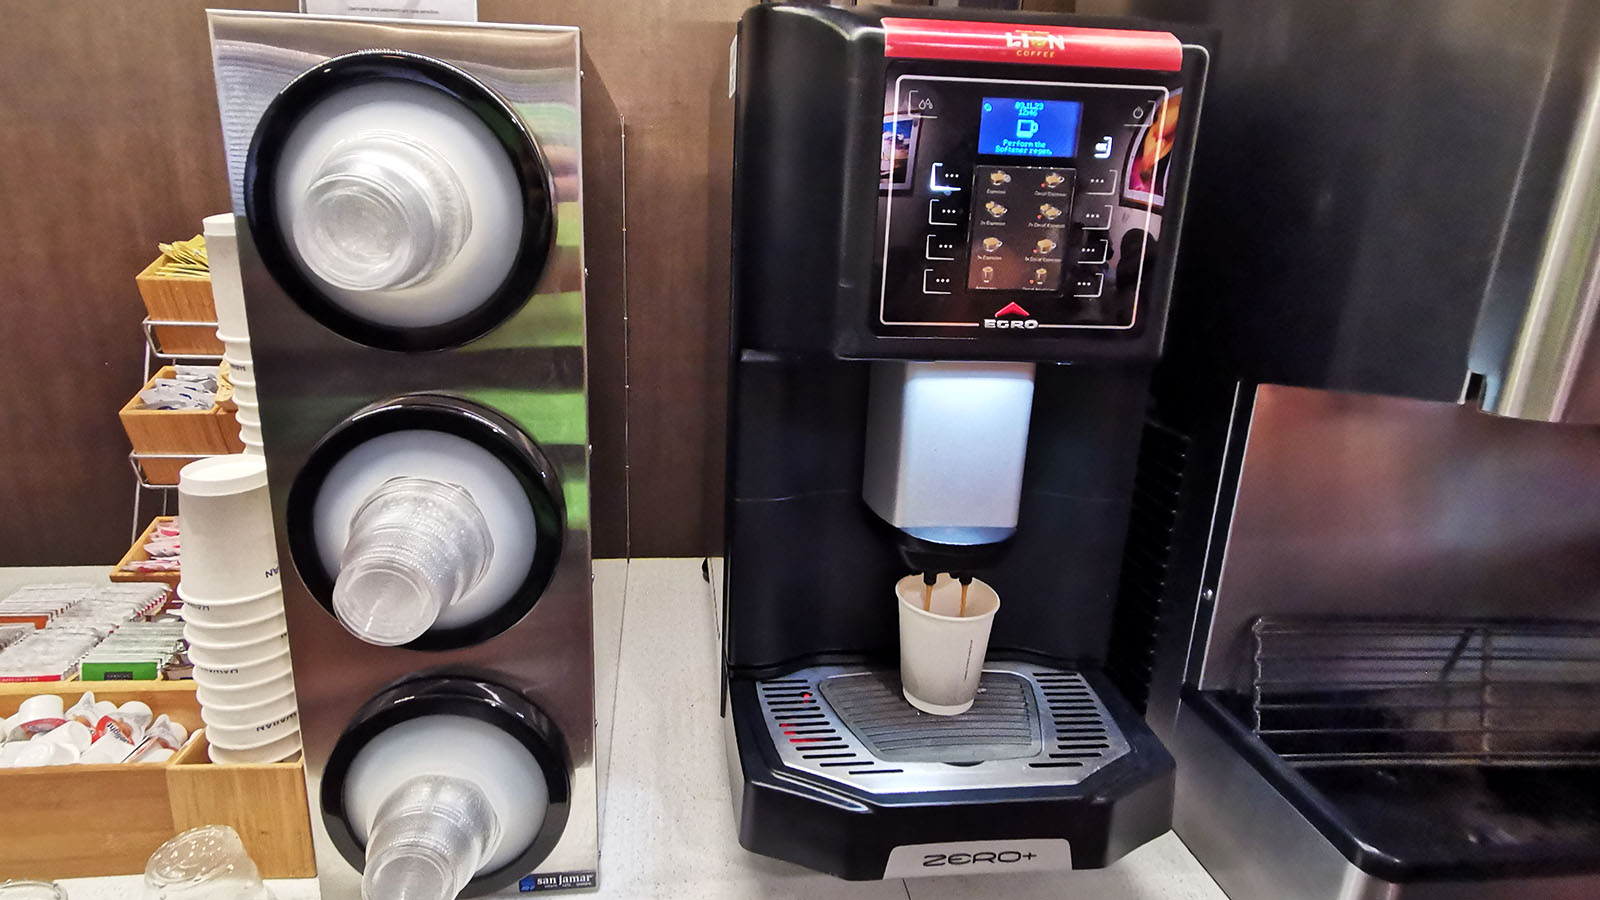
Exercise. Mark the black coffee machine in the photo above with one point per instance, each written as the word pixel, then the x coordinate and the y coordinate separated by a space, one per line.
pixel 954 239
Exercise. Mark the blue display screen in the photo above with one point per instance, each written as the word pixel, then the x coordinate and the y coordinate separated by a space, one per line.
pixel 1015 126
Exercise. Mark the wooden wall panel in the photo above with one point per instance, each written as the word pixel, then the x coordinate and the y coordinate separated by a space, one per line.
pixel 109 142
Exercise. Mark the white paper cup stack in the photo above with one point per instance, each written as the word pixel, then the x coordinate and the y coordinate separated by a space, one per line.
pixel 233 610
pixel 227 290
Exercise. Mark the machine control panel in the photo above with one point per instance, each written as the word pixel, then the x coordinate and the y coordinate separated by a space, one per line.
pixel 1018 206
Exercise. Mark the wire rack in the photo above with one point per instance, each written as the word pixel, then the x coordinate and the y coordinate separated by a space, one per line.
pixel 1384 692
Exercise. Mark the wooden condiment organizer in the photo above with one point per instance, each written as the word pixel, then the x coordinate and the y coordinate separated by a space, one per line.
pixel 80 821
pixel 193 432
pixel 169 299
pixel 137 553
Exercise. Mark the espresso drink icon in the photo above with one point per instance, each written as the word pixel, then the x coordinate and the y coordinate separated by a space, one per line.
pixel 1045 245
pixel 988 274
pixel 1054 179
pixel 994 209
pixel 1046 211
pixel 1039 275
pixel 999 178
pixel 991 244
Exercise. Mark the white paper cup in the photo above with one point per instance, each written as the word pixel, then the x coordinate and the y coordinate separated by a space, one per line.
pixel 245 393
pixel 251 438
pixel 228 545
pixel 234 658
pixel 256 734
pixel 276 751
pixel 228 611
pixel 941 651
pixel 235 632
pixel 235 345
pixel 245 381
pixel 248 418
pixel 243 650
pixel 249 715
pixel 238 696
pixel 244 674
pixel 240 367
pixel 227 284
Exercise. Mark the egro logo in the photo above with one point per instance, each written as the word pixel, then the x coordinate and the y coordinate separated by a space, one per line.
pixel 979 857
pixel 1027 324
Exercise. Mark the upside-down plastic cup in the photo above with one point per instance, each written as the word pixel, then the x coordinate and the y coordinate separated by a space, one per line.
pixel 229 550
pixel 416 546
pixel 206 863
pixel 428 839
pixel 384 212
pixel 942 647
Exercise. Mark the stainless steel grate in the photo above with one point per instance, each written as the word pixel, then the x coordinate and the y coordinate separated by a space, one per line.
pixel 1031 725
pixel 1338 691
pixel 1003 722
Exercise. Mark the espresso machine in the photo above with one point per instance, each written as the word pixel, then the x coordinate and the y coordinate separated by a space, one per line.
pixel 409 199
pixel 954 237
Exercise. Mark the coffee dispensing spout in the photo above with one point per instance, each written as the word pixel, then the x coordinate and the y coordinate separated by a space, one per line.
pixel 945 450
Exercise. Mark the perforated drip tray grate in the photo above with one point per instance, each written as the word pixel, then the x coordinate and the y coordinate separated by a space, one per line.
pixel 1030 726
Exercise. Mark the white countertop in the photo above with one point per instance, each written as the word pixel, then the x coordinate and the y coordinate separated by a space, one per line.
pixel 666 818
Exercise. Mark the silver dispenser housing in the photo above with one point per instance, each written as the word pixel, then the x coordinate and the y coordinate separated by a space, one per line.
pixel 517 384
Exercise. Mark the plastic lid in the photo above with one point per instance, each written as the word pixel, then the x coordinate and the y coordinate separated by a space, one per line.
pixel 383 212
pixel 428 840
pixel 416 547
pixel 221 476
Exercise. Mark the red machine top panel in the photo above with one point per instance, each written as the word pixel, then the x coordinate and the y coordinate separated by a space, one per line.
pixel 1052 45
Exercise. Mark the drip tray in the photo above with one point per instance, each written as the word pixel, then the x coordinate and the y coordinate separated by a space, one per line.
pixel 1029 726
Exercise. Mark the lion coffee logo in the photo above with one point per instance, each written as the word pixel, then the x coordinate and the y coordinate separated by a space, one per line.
pixel 1036 44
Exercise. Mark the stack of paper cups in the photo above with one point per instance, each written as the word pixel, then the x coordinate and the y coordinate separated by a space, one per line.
pixel 227 291
pixel 233 609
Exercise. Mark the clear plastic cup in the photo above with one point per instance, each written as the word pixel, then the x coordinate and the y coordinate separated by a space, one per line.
pixel 416 546
pixel 428 840
pixel 31 890
pixel 206 863
pixel 383 212
pixel 943 642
